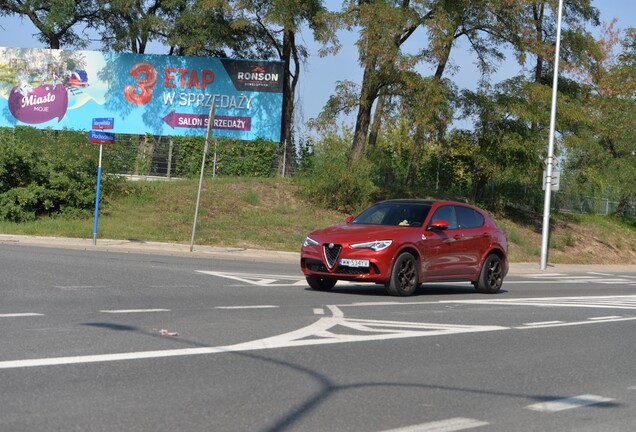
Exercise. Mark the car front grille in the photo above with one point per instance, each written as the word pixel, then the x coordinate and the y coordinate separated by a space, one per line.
pixel 320 267
pixel 331 251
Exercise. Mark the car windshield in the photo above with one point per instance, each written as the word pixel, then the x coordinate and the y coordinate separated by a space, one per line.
pixel 409 214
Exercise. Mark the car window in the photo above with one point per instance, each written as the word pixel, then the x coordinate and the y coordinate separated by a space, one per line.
pixel 446 213
pixel 469 218
pixel 410 214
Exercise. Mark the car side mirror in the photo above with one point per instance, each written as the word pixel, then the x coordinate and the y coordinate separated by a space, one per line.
pixel 349 219
pixel 438 225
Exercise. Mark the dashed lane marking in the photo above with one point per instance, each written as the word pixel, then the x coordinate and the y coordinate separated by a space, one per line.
pixel 18 315
pixel 449 425
pixel 569 403
pixel 248 307
pixel 125 311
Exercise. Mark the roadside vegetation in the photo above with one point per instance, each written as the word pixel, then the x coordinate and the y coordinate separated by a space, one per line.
pixel 406 139
pixel 271 214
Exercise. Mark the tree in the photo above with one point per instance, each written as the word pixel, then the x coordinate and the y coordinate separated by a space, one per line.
pixel 602 157
pixel 385 27
pixel 129 26
pixel 280 21
pixel 56 20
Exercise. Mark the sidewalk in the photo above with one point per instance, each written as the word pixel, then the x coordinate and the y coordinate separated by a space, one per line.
pixel 255 255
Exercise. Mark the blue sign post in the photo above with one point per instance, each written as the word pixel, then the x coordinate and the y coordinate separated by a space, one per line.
pixel 101 138
pixel 99 181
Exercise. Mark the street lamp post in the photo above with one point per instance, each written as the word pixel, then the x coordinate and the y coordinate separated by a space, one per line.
pixel 550 159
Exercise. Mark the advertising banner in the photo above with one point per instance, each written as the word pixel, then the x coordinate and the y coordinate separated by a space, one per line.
pixel 140 93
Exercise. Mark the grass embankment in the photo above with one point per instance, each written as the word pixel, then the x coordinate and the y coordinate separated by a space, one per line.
pixel 269 214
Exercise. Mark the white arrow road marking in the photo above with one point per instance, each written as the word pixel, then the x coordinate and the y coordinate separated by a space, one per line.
pixel 256 279
pixel 265 279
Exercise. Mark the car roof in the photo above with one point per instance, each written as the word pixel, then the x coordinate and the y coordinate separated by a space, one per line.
pixel 420 201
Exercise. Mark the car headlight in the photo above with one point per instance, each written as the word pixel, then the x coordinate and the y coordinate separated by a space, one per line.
pixel 376 245
pixel 310 242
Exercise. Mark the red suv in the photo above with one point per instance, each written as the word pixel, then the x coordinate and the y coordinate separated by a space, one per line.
pixel 403 243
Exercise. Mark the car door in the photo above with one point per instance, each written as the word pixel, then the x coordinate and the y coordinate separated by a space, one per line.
pixel 474 241
pixel 439 258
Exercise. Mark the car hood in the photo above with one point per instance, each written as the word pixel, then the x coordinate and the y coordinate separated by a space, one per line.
pixel 355 233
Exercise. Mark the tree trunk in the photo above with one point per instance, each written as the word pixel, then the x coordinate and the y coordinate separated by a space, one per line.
pixel 377 120
pixel 289 89
pixel 418 147
pixel 367 96
pixel 538 14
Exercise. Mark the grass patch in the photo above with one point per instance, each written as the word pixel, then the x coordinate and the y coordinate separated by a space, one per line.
pixel 270 214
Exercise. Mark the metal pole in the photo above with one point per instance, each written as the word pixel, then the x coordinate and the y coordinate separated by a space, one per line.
pixel 284 157
pixel 99 181
pixel 548 177
pixel 205 152
pixel 170 147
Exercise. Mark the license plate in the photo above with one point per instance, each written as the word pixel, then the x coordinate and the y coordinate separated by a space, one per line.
pixel 354 262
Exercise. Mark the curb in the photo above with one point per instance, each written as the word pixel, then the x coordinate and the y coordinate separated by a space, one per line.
pixel 254 255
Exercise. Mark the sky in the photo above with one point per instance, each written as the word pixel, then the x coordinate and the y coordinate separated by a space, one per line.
pixel 320 74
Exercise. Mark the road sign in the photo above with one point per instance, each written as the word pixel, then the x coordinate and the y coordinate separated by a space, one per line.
pixel 556 178
pixel 101 137
pixel 103 123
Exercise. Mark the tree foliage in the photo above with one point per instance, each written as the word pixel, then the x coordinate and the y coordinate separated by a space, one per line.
pixel 415 131
pixel 59 22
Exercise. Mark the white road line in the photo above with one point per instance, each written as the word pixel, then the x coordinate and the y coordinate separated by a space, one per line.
pixel 123 311
pixel 569 403
pixel 605 318
pixel 248 307
pixel 542 323
pixel 16 315
pixel 450 425
pixel 319 311
pixel 575 323
pixel 315 334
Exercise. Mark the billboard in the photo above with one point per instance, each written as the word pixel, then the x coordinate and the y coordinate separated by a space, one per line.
pixel 141 93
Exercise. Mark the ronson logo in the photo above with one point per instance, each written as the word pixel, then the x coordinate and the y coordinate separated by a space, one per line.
pixel 258 74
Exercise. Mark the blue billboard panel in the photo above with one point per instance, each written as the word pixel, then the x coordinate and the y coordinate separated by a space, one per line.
pixel 140 93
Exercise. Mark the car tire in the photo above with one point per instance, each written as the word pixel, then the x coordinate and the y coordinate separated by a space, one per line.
pixel 491 276
pixel 404 276
pixel 320 283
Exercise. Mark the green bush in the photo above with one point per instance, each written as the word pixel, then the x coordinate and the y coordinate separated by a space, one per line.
pixel 46 173
pixel 234 157
pixel 331 181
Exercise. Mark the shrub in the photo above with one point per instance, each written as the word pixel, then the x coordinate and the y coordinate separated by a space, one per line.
pixel 332 181
pixel 46 173
pixel 234 157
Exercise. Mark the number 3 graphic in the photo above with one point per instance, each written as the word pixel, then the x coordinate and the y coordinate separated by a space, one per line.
pixel 145 85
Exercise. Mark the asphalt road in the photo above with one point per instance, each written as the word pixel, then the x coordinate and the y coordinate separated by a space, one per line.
pixel 148 337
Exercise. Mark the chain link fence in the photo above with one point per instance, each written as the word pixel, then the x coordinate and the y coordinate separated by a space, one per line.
pixel 163 158
pixel 169 157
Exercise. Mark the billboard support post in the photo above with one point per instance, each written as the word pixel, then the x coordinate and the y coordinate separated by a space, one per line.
pixel 208 135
